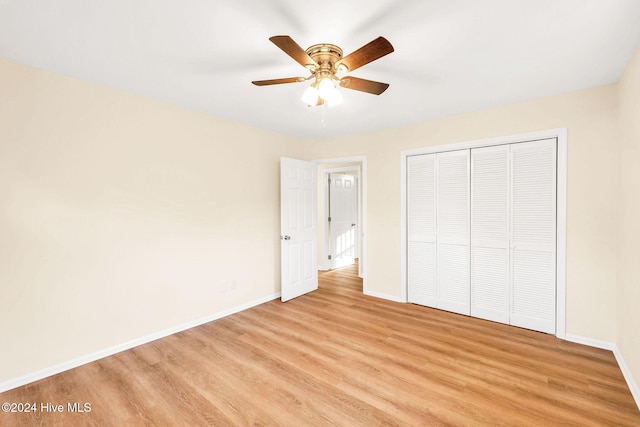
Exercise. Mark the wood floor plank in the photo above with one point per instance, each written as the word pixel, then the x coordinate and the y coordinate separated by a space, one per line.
pixel 338 357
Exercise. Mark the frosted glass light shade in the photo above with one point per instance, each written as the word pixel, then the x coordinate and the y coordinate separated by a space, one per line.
pixel 325 87
pixel 310 96
pixel 328 92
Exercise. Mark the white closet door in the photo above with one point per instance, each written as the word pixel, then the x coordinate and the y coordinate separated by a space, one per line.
pixel 490 284
pixel 452 218
pixel 421 229
pixel 533 225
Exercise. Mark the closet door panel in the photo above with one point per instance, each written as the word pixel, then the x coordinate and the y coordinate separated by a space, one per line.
pixel 453 231
pixel 422 273
pixel 490 284
pixel 533 225
pixel 534 292
pixel 453 278
pixel 421 229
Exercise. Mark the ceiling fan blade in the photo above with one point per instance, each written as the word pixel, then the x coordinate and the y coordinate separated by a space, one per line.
pixel 363 85
pixel 294 50
pixel 369 52
pixel 278 81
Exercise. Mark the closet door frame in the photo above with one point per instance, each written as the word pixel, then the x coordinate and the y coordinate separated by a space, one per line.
pixel 561 206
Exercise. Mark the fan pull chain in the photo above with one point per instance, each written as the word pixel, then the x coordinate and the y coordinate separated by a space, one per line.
pixel 324 108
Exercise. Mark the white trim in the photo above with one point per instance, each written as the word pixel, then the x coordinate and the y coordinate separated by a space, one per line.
pixel 79 361
pixel 561 223
pixel 364 261
pixel 403 227
pixel 605 345
pixel 626 372
pixel 325 235
pixel 342 169
pixel 384 296
pixel 508 139
pixel 561 233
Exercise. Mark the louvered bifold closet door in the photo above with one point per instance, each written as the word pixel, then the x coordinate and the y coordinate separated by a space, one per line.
pixel 490 284
pixel 452 249
pixel 533 225
pixel 421 229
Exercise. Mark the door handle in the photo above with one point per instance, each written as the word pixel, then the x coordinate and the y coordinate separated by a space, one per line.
pixel 353 225
pixel 285 237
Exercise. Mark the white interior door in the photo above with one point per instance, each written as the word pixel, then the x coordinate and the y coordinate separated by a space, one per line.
pixel 490 278
pixel 533 244
pixel 343 214
pixel 452 219
pixel 421 229
pixel 298 239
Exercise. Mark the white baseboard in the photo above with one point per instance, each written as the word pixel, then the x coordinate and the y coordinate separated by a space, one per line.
pixel 74 363
pixel 383 296
pixel 626 372
pixel 605 345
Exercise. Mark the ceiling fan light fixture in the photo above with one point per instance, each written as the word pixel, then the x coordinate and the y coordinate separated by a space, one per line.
pixel 323 62
pixel 328 92
pixel 325 87
pixel 310 96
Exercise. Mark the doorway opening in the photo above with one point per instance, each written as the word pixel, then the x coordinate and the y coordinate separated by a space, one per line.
pixel 343 218
pixel 342 238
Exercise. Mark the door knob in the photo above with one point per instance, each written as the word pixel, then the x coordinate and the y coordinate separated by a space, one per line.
pixel 286 238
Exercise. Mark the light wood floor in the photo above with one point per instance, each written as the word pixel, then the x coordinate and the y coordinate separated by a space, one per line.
pixel 337 357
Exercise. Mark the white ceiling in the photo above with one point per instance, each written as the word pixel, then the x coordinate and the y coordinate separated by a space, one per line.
pixel 451 56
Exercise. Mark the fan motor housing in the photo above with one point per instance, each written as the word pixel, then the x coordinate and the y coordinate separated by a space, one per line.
pixel 326 55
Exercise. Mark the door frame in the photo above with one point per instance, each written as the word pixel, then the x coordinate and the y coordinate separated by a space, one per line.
pixel 362 201
pixel 325 176
pixel 561 207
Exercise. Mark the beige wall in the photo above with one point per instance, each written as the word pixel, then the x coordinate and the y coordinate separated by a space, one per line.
pixel 629 219
pixel 122 216
pixel 591 119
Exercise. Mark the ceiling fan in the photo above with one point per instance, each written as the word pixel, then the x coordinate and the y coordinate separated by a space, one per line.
pixel 324 61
